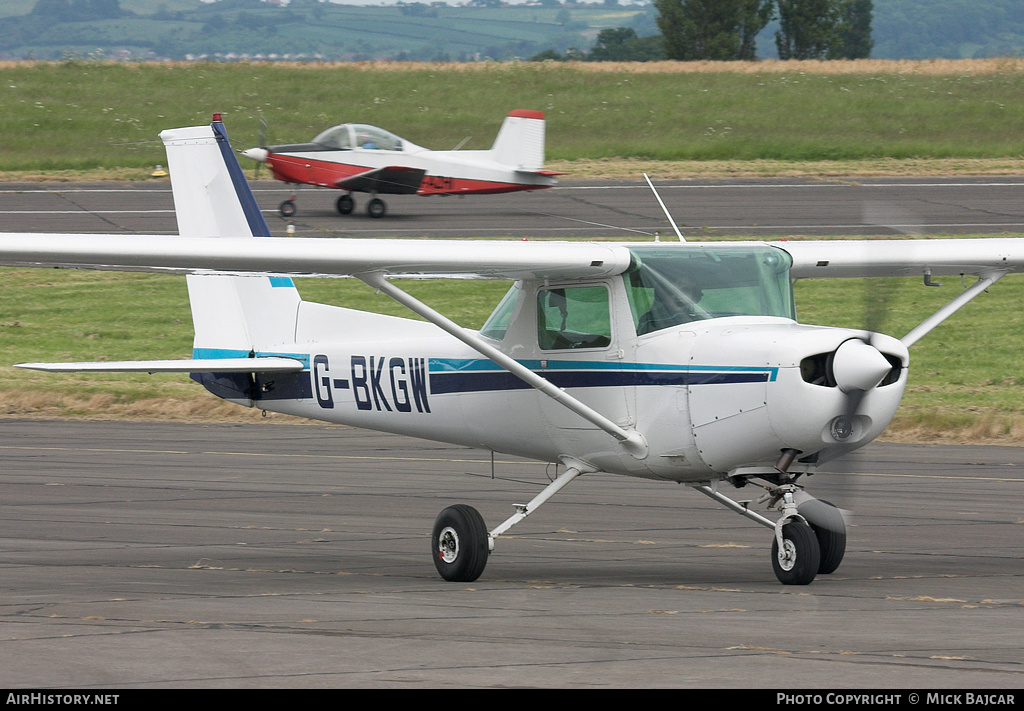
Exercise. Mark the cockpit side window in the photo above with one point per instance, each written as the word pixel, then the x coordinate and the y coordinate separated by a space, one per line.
pixel 573 318
pixel 498 322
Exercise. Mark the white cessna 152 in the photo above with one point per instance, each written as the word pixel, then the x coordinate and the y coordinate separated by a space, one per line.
pixel 679 362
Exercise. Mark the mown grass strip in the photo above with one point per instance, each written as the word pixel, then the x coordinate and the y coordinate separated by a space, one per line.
pixel 84 115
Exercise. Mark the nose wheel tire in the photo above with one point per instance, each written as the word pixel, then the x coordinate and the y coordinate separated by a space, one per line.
pixel 797 561
pixel 459 544
pixel 287 208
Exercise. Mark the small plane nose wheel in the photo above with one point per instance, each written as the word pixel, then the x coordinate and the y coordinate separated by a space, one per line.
pixel 459 544
pixel 345 204
pixel 287 208
pixel 796 561
pixel 376 208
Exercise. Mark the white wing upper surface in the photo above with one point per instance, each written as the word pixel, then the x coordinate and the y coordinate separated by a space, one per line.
pixel 903 257
pixel 313 256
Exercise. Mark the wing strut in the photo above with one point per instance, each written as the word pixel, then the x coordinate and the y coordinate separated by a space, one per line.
pixel 632 440
pixel 985 280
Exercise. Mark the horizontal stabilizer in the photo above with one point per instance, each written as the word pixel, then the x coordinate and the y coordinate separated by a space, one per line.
pixel 193 365
pixel 393 180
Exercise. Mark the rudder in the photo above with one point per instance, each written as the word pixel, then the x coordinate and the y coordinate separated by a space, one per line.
pixel 520 141
pixel 233 316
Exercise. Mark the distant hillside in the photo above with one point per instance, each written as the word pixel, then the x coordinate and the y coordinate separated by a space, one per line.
pixel 309 30
pixel 312 30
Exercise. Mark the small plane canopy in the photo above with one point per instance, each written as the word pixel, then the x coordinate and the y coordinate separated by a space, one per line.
pixel 347 136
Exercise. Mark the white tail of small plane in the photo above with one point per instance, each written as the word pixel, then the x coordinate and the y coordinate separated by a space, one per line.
pixel 233 316
pixel 520 141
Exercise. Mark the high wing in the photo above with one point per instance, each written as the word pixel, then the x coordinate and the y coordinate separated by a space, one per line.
pixel 393 180
pixel 482 258
pixel 314 256
pixel 903 257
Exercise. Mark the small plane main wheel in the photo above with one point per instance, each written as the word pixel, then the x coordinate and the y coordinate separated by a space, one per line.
pixel 376 208
pixel 797 562
pixel 458 544
pixel 287 208
pixel 345 204
pixel 830 530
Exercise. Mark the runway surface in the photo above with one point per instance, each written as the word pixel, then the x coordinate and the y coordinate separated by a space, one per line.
pixel 761 209
pixel 263 556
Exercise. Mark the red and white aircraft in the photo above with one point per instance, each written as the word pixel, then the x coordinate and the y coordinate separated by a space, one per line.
pixel 359 158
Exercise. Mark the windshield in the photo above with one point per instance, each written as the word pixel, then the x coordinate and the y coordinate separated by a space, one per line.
pixel 669 286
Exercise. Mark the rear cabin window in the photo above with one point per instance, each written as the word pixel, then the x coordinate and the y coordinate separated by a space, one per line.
pixel 573 318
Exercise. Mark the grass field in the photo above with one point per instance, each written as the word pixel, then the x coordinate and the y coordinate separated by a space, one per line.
pixel 88 115
pixel 828 118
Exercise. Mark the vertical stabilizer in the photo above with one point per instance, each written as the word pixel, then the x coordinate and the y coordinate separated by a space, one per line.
pixel 233 316
pixel 520 142
pixel 211 195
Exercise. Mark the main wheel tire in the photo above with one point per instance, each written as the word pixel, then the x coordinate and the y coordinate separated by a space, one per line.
pixel 458 544
pixel 287 208
pixel 830 530
pixel 345 204
pixel 797 563
pixel 376 208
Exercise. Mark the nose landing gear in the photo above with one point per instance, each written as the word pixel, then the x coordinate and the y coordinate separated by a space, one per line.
pixel 810 537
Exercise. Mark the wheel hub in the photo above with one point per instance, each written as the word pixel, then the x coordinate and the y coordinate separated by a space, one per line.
pixel 787 555
pixel 448 545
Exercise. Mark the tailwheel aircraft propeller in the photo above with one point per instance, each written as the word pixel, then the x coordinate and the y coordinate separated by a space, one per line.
pixel 261 141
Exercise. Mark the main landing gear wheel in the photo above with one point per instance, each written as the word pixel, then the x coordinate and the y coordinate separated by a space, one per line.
pixel 830 530
pixel 376 208
pixel 459 544
pixel 345 205
pixel 287 208
pixel 796 563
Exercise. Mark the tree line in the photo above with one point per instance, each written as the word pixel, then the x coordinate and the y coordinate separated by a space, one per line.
pixel 727 30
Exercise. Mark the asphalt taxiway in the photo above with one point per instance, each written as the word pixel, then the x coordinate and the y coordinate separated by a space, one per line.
pixel 149 555
pixel 622 209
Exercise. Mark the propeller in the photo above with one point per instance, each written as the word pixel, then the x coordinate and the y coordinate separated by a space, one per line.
pixel 857 365
pixel 261 142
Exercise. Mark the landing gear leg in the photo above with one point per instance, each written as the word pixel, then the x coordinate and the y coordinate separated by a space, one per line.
pixel 801 547
pixel 460 543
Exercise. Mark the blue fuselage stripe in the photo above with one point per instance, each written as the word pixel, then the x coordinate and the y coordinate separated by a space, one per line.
pixel 486 381
pixel 477 375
